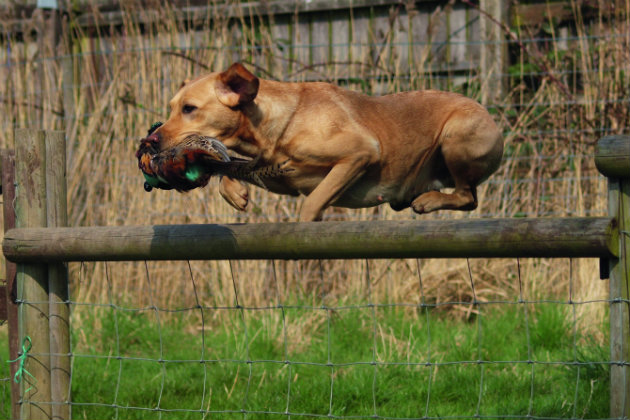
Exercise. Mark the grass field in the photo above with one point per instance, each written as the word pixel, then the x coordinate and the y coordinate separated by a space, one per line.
pixel 332 371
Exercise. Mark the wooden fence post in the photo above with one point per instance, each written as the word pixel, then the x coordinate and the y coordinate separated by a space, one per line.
pixel 32 279
pixel 57 216
pixel 493 54
pixel 8 197
pixel 43 290
pixel 68 81
pixel 613 160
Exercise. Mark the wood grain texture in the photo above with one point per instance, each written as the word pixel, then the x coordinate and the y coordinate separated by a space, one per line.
pixel 554 237
pixel 59 310
pixel 612 156
pixel 613 159
pixel 32 279
pixel 8 197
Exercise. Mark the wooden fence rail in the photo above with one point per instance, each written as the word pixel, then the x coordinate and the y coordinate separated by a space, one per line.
pixel 38 245
pixel 488 238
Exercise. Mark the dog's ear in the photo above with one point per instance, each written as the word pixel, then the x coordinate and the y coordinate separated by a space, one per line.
pixel 236 86
pixel 184 83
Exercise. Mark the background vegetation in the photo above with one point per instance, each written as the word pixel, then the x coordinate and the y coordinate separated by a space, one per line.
pixel 566 85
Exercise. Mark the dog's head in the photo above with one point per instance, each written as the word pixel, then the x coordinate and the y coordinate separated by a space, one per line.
pixel 208 106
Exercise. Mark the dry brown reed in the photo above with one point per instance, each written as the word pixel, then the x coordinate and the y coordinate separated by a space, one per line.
pixel 563 92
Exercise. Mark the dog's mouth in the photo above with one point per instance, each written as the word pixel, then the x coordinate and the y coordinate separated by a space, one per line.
pixel 188 165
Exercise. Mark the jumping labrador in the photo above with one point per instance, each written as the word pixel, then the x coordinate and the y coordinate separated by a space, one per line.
pixel 343 148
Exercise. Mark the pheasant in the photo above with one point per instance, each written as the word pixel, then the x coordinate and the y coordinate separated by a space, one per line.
pixel 193 162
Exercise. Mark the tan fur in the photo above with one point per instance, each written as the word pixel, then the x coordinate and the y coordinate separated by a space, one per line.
pixel 345 148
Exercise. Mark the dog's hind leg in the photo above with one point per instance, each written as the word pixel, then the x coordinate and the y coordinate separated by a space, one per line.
pixel 464 198
pixel 465 175
pixel 471 155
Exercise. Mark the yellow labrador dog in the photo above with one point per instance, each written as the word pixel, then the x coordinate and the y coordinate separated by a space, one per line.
pixel 342 148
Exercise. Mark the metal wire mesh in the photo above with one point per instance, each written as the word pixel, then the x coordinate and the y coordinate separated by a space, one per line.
pixel 241 369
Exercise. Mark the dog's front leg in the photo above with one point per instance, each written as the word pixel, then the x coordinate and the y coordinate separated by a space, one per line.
pixel 234 192
pixel 337 181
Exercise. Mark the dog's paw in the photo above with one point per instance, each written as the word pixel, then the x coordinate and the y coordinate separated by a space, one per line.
pixel 435 200
pixel 234 192
pixel 428 202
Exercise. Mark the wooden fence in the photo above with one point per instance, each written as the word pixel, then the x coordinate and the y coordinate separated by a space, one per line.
pixel 352 40
pixel 39 244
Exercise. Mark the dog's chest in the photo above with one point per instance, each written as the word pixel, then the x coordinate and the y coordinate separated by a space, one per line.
pixel 304 178
pixel 366 193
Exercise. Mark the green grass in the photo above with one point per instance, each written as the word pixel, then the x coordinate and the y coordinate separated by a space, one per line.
pixel 402 384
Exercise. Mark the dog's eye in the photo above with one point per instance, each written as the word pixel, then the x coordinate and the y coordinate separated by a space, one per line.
pixel 187 109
